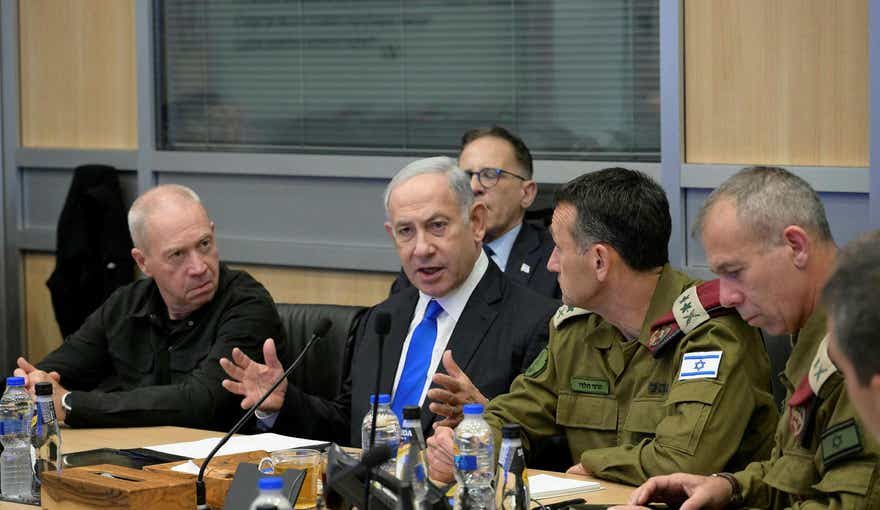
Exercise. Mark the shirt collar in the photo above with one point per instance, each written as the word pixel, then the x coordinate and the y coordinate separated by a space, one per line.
pixel 152 304
pixel 503 245
pixel 454 301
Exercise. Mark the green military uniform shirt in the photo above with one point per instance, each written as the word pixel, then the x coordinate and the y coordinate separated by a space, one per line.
pixel 626 414
pixel 822 458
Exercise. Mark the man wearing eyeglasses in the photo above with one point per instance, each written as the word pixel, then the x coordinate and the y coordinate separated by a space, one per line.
pixel 500 167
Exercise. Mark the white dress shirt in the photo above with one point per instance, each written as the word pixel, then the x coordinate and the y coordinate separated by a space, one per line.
pixel 503 245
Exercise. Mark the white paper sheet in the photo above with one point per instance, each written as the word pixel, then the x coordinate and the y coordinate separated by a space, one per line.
pixel 548 486
pixel 238 444
pixel 188 467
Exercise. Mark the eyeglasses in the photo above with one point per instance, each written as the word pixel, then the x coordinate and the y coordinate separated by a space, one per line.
pixel 488 177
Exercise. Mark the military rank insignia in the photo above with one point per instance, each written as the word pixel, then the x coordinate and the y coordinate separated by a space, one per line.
pixel 691 308
pixel 566 312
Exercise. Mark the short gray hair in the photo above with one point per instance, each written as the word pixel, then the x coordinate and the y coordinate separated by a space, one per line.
pixel 767 200
pixel 459 182
pixel 147 203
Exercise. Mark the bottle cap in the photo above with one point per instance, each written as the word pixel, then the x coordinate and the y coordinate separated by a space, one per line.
pixel 510 431
pixel 384 398
pixel 15 381
pixel 473 409
pixel 43 388
pixel 412 413
pixel 271 483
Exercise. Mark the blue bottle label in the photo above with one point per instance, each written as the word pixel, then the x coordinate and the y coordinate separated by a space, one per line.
pixel 466 462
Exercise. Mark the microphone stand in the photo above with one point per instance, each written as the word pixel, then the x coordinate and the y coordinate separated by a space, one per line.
pixel 317 334
pixel 382 327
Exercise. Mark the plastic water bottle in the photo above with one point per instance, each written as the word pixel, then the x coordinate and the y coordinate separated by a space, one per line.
pixel 474 461
pixel 45 435
pixel 512 485
pixel 411 459
pixel 387 430
pixel 270 495
pixel 16 412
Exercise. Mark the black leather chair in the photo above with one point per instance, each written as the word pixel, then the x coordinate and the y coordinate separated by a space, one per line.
pixel 324 365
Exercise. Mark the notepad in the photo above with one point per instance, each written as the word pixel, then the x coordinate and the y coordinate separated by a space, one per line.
pixel 547 486
pixel 238 444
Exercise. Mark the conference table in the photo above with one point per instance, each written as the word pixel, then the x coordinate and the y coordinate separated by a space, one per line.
pixel 75 440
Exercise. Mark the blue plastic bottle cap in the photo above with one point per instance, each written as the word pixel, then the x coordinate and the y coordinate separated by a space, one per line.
pixel 473 409
pixel 271 483
pixel 15 381
pixel 384 398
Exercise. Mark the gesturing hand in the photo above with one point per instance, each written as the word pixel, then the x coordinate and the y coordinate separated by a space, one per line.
pixel 251 379
pixel 457 390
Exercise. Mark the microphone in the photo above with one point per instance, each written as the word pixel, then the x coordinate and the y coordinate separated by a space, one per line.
pixel 372 458
pixel 320 330
pixel 381 327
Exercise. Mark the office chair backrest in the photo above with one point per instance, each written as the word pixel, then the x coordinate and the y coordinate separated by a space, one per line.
pixel 328 360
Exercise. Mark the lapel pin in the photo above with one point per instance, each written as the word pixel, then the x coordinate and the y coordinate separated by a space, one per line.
pixel 524 268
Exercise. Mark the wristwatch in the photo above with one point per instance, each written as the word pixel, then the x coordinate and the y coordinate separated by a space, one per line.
pixel 64 402
pixel 736 493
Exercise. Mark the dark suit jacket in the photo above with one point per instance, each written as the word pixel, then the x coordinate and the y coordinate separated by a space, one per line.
pixel 501 330
pixel 532 247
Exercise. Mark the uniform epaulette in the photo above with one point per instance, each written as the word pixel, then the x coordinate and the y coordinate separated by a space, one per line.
pixel 566 312
pixel 691 308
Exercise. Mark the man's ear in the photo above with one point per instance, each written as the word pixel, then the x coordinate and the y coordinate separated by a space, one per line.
pixel 390 231
pixel 798 243
pixel 529 192
pixel 478 220
pixel 602 261
pixel 141 260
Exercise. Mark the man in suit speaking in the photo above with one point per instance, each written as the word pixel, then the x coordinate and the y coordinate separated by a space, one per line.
pixel 500 167
pixel 461 310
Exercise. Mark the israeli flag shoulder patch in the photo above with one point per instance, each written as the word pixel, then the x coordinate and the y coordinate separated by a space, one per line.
pixel 700 365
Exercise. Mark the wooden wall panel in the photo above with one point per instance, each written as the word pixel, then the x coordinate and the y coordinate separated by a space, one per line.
pixel 77 65
pixel 776 82
pixel 301 285
pixel 42 331
pixel 287 285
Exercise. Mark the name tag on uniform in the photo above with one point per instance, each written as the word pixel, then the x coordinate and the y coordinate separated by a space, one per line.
pixel 699 365
pixel 590 386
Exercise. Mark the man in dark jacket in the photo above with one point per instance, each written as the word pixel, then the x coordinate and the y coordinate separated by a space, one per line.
pixel 149 355
pixel 482 324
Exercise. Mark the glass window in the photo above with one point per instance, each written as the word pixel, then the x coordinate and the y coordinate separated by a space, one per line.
pixel 576 79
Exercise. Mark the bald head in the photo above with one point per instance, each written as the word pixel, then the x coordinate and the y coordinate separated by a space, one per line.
pixel 165 198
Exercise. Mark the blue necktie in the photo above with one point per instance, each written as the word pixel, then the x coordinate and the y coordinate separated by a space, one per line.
pixel 418 357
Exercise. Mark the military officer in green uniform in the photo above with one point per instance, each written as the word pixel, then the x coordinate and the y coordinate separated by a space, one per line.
pixel 767 237
pixel 657 377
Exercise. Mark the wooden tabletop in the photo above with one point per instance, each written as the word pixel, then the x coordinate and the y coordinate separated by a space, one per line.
pixel 610 493
pixel 75 440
